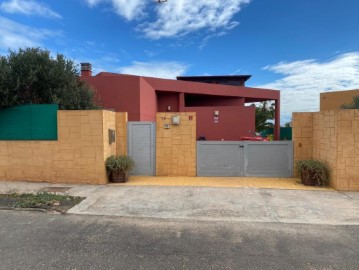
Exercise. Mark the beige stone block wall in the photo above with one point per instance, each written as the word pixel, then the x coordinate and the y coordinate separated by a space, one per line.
pixel 121 133
pixel 176 146
pixel 76 157
pixel 302 135
pixel 348 150
pixel 335 140
pixel 109 122
pixel 325 141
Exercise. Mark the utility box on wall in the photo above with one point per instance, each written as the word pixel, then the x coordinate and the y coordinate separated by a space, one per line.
pixel 111 136
pixel 175 119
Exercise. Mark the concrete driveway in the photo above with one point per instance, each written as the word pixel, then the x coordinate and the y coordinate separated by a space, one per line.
pixel 209 203
pixel 235 204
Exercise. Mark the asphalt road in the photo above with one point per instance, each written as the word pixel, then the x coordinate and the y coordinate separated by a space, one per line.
pixel 32 240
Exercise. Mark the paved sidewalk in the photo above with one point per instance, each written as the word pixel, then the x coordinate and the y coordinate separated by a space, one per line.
pixel 209 203
pixel 222 204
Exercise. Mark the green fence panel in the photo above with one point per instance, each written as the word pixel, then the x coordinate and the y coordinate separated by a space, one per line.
pixel 29 122
pixel 285 133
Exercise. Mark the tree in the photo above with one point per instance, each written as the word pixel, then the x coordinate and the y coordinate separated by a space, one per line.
pixel 353 105
pixel 32 76
pixel 264 112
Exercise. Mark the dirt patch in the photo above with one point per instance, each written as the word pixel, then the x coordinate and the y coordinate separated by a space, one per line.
pixel 55 189
pixel 43 200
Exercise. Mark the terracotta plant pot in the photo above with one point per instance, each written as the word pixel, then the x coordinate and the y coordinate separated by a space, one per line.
pixel 119 177
pixel 307 178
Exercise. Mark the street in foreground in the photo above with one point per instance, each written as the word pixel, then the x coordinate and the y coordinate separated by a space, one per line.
pixel 32 240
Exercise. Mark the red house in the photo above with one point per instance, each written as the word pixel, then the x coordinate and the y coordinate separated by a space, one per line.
pixel 219 101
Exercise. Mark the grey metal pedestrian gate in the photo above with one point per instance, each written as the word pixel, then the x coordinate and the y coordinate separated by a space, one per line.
pixel 142 146
pixel 245 158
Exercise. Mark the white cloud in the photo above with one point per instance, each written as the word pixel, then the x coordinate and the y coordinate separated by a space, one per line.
pixel 168 70
pixel 177 17
pixel 303 81
pixel 206 39
pixel 128 9
pixel 150 54
pixel 14 35
pixel 28 7
pixel 93 3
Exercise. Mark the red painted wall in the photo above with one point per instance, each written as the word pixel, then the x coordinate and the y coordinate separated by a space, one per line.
pixel 137 96
pixel 121 93
pixel 165 99
pixel 148 102
pixel 233 122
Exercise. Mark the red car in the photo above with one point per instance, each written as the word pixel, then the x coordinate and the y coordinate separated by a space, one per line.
pixel 255 137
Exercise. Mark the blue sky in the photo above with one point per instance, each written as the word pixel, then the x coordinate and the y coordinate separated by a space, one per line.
pixel 299 47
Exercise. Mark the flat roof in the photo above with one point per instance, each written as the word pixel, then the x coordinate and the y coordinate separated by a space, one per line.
pixel 233 77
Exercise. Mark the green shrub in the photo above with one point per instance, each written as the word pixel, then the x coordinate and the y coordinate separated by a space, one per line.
pixel 119 163
pixel 317 169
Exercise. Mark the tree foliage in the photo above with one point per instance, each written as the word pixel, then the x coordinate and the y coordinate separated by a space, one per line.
pixel 32 76
pixel 264 113
pixel 353 105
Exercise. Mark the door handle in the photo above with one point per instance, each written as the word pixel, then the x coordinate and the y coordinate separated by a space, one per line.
pixel 241 146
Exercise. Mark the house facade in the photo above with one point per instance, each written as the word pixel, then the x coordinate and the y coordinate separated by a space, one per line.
pixel 333 100
pixel 218 101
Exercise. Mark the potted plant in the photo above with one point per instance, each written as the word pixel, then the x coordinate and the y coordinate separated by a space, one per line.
pixel 313 172
pixel 118 167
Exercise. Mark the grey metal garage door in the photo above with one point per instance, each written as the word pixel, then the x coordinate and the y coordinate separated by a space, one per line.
pixel 220 158
pixel 245 158
pixel 141 147
pixel 268 159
